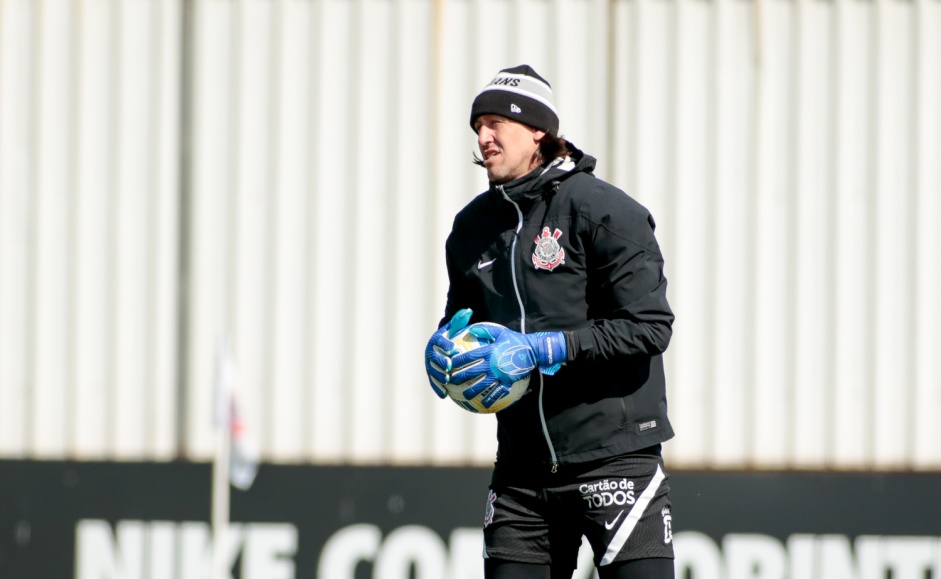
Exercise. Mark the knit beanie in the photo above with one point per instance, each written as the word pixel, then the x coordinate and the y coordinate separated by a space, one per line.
pixel 520 94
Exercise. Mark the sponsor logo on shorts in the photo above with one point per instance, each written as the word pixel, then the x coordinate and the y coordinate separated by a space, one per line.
pixel 610 525
pixel 667 525
pixel 608 492
pixel 488 512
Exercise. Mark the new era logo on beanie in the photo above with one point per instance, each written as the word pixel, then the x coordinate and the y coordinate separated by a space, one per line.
pixel 520 94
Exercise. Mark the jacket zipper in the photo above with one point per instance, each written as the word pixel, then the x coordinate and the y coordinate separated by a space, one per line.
pixel 519 300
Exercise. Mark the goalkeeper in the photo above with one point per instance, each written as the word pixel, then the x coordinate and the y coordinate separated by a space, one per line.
pixel 569 266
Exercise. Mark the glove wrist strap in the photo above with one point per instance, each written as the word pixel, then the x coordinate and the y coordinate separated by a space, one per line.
pixel 550 350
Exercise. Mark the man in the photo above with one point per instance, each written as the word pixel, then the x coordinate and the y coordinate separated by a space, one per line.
pixel 569 265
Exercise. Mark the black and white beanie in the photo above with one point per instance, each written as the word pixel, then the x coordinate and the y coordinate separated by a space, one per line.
pixel 520 94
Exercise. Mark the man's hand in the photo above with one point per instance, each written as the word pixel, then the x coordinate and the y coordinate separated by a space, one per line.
pixel 439 350
pixel 507 358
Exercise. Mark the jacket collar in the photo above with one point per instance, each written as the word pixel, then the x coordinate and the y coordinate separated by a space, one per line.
pixel 546 177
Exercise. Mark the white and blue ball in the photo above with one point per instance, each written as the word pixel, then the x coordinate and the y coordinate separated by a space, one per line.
pixel 512 363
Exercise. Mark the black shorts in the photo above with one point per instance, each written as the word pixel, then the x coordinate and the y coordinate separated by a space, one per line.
pixel 622 505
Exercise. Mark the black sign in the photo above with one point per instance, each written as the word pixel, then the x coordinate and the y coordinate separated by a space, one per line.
pixel 152 521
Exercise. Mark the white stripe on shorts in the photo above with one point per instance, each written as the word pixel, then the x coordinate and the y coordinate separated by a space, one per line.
pixel 628 524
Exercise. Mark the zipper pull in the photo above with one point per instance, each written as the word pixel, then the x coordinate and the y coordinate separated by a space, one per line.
pixel 555 467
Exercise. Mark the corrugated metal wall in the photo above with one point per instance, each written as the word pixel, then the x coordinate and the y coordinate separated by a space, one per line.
pixel 284 172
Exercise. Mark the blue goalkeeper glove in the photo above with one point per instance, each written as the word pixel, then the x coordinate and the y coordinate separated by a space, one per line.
pixel 507 358
pixel 439 350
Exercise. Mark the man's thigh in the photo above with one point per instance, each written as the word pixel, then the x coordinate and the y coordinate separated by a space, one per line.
pixel 498 569
pixel 655 568
pixel 623 508
pixel 522 527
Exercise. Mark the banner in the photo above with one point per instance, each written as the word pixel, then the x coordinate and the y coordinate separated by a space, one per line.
pixel 152 521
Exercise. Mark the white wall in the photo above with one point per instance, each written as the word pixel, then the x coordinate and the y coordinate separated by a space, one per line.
pixel 291 185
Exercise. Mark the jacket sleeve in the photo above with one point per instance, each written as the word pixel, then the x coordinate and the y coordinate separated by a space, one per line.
pixel 460 291
pixel 627 288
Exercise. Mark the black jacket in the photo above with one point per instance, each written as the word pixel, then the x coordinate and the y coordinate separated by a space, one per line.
pixel 563 250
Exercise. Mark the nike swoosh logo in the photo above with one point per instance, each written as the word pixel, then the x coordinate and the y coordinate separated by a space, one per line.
pixel 610 525
pixel 483 264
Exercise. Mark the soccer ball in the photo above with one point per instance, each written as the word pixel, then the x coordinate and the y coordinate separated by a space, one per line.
pixel 465 341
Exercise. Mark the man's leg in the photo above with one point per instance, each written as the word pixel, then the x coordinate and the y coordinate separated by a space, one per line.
pixel 625 506
pixel 654 568
pixel 500 569
pixel 521 543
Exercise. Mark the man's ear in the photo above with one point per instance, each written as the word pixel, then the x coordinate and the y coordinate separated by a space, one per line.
pixel 538 135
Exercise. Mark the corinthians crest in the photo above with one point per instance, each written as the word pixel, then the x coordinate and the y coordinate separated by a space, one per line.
pixel 548 254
